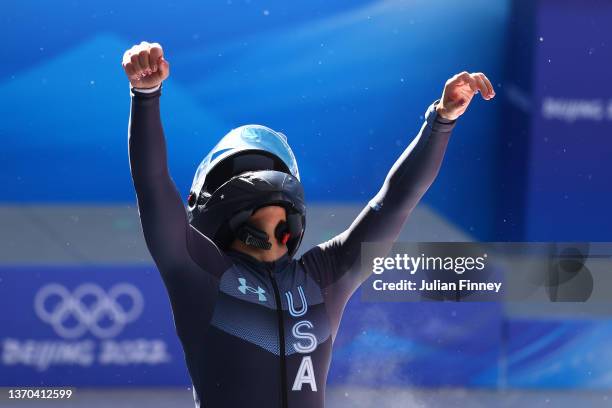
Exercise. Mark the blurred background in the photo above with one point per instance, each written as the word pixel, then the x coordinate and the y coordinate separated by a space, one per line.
pixel 349 83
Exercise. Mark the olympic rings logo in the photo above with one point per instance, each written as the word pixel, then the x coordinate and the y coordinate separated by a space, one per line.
pixel 88 308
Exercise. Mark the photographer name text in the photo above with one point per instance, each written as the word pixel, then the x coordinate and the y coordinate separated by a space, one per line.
pixel 414 264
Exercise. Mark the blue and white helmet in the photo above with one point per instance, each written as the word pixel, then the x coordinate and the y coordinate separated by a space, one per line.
pixel 247 149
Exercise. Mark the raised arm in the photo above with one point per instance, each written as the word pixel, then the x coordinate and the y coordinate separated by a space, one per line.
pixel 338 260
pixel 161 209
pixel 170 239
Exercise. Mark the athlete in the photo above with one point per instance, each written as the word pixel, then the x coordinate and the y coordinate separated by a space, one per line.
pixel 256 324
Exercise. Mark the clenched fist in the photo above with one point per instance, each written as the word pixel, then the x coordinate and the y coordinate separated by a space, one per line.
pixel 459 91
pixel 145 65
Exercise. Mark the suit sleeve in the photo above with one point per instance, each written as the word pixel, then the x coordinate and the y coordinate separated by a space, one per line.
pixel 337 261
pixel 192 281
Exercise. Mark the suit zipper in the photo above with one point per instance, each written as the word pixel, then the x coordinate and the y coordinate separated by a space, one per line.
pixel 281 337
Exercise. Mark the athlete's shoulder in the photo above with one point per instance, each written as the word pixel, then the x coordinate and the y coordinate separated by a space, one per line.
pixel 319 263
pixel 204 253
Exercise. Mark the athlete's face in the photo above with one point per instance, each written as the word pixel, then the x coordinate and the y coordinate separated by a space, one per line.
pixel 267 218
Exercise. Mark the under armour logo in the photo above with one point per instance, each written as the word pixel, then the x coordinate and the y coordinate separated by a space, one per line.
pixel 243 288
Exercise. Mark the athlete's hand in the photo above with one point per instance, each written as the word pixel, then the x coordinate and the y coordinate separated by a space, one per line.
pixel 459 91
pixel 145 65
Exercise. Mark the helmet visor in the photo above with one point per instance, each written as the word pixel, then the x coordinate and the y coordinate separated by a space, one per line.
pixel 245 142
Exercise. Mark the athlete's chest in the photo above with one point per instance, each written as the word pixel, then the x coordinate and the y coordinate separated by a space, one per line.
pixel 280 311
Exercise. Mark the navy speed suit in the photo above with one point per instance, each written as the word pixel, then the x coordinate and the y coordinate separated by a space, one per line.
pixel 260 334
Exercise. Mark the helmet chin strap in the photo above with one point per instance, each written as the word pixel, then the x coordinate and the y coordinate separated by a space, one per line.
pixel 253 236
pixel 256 238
